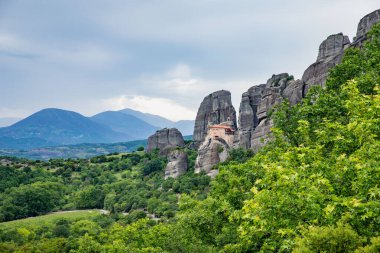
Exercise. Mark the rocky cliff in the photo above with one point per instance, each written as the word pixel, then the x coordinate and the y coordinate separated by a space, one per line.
pixel 168 141
pixel 330 53
pixel 248 119
pixel 257 102
pixel 177 163
pixel 364 26
pixel 254 125
pixel 214 109
pixel 210 153
pixel 164 140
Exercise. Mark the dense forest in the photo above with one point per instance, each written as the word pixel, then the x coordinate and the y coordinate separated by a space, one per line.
pixel 313 188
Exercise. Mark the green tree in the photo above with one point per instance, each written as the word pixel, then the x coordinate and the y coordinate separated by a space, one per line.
pixel 30 200
pixel 90 197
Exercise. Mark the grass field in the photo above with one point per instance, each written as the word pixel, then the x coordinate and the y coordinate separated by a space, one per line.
pixel 50 218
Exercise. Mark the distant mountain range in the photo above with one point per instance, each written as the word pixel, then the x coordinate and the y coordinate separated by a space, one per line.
pixel 186 127
pixel 133 127
pixel 55 127
pixel 152 119
pixel 84 150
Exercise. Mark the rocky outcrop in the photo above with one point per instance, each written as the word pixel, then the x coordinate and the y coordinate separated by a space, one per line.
pixel 261 134
pixel 330 54
pixel 248 114
pixel 294 91
pixel 168 141
pixel 331 51
pixel 164 140
pixel 214 109
pixel 258 101
pixel 210 153
pixel 277 88
pixel 364 26
pixel 177 163
pixel 257 126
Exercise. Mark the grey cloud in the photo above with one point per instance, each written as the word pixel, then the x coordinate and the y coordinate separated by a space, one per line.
pixel 74 54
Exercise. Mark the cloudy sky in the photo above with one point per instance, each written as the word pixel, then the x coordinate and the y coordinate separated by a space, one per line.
pixel 157 56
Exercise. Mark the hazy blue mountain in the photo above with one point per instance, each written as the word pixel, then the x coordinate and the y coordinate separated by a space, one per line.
pixel 59 127
pixel 186 127
pixel 125 123
pixel 151 119
pixel 4 122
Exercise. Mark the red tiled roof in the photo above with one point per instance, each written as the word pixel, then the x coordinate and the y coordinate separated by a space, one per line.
pixel 221 126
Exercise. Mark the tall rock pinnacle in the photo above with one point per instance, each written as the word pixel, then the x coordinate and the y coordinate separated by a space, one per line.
pixel 364 26
pixel 214 109
pixel 330 54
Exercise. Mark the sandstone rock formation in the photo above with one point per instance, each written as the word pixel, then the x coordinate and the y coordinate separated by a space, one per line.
pixel 214 149
pixel 331 51
pixel 177 163
pixel 364 26
pixel 215 108
pixel 277 88
pixel 254 125
pixel 164 140
pixel 210 153
pixel 256 103
pixel 294 91
pixel 330 54
pixel 248 114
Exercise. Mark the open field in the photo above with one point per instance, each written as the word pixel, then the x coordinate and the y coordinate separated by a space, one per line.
pixel 51 218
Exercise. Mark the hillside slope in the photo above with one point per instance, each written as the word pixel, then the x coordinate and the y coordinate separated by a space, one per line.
pixel 126 124
pixel 61 127
pixel 186 127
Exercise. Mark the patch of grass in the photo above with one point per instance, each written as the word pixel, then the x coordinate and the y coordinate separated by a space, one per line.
pixel 50 219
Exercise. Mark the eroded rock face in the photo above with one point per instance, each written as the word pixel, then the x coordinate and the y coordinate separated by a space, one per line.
pixel 261 134
pixel 258 101
pixel 332 46
pixel 331 51
pixel 210 153
pixel 364 26
pixel 177 163
pixel 164 140
pixel 248 114
pixel 294 91
pixel 214 109
pixel 330 54
pixel 277 88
